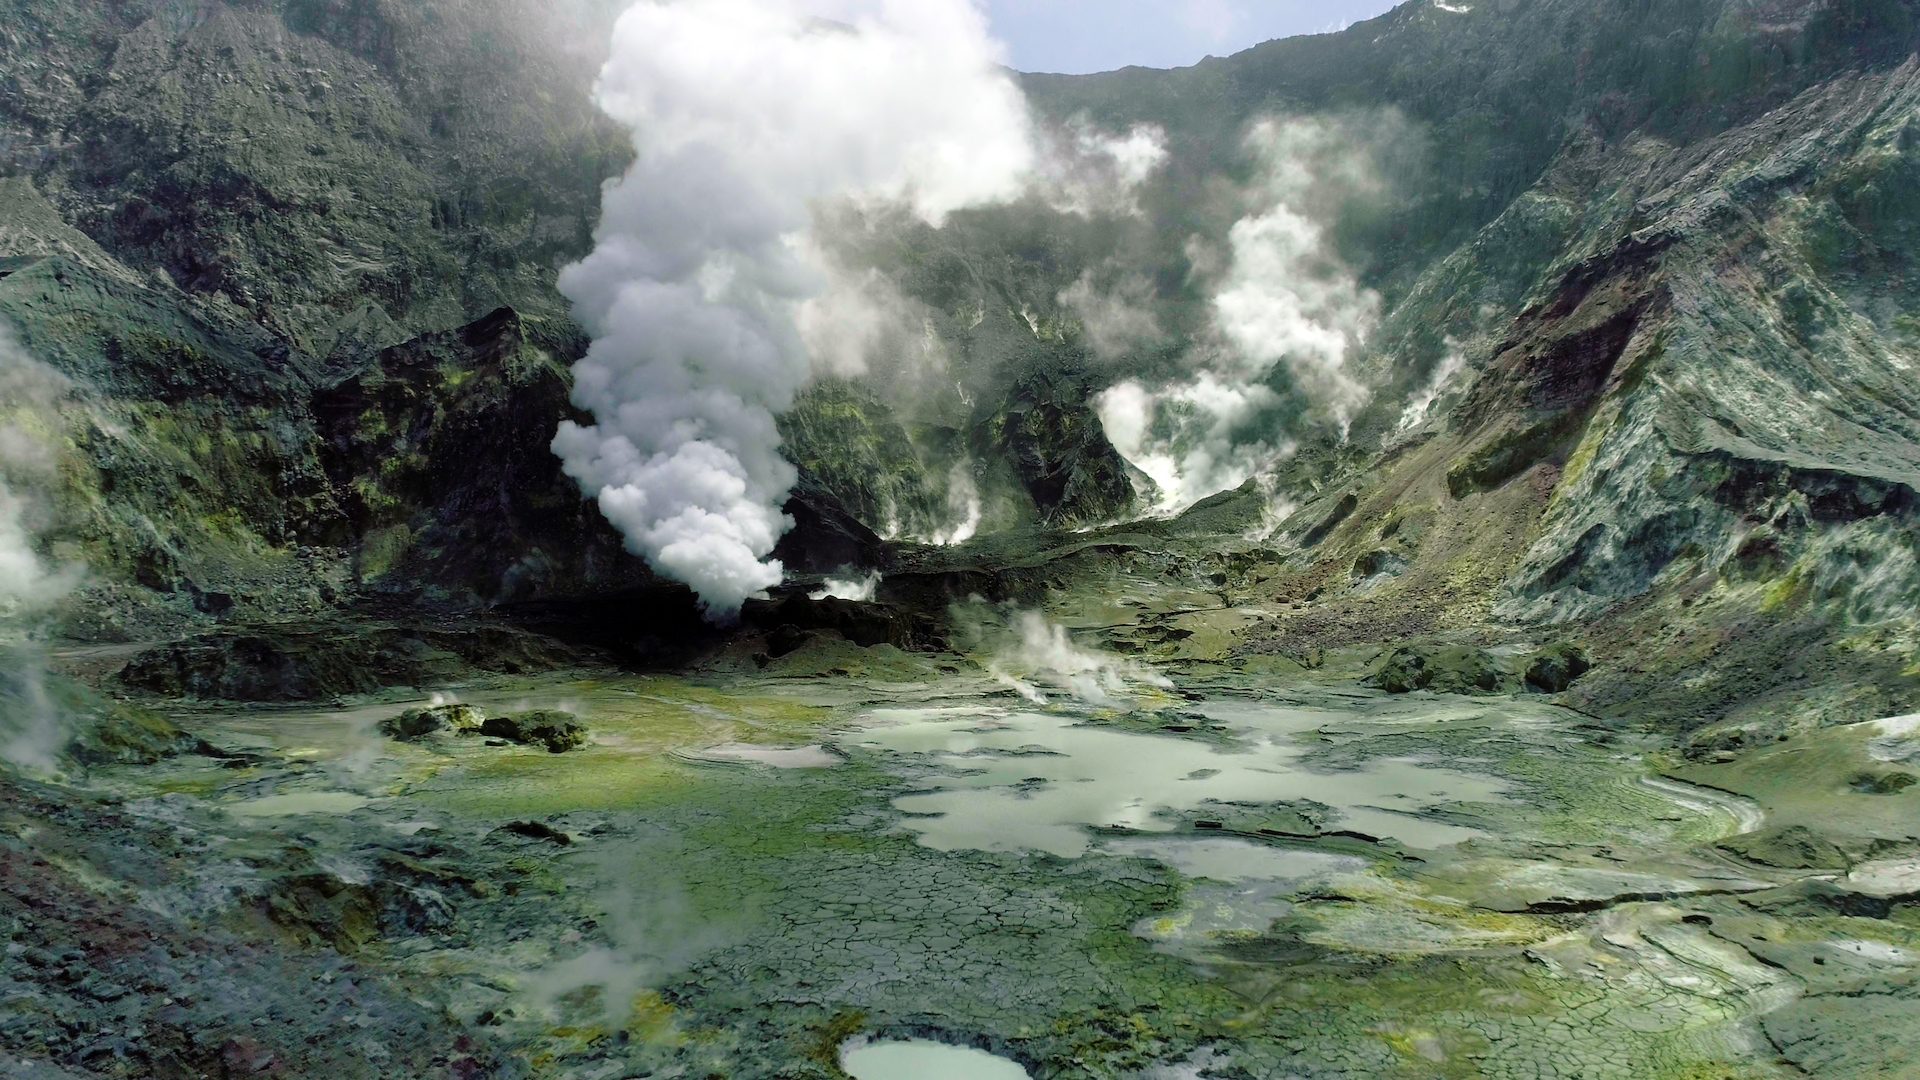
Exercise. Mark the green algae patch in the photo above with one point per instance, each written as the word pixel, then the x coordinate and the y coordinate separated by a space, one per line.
pixel 636 727
pixel 825 1050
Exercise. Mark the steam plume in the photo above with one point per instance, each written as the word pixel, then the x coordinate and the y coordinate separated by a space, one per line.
pixel 31 734
pixel 1284 298
pixel 746 114
pixel 1043 656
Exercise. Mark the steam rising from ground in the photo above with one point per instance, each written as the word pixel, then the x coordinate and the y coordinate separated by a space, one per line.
pixel 746 113
pixel 1037 658
pixel 31 734
pixel 1284 302
pixel 860 589
pixel 1086 170
pixel 1421 403
pixel 652 931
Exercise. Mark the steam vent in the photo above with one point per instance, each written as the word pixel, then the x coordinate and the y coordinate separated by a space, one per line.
pixel 770 540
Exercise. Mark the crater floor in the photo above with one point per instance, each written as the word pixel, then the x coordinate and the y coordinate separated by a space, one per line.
pixel 737 874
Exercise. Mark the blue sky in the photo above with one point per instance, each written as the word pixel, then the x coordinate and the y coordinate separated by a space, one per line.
pixel 1077 36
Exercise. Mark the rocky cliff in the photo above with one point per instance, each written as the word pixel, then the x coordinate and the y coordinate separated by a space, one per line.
pixel 1654 279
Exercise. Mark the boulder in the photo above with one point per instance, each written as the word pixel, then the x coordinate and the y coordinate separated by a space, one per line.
pixel 1553 669
pixel 1891 783
pixel 1445 669
pixel 558 731
pixel 537 830
pixel 419 723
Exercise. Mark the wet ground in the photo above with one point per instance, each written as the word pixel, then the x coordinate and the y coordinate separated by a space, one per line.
pixel 1083 869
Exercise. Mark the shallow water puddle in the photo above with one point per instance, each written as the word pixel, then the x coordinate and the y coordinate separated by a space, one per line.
pixel 1033 781
pixel 299 802
pixel 922 1059
pixel 780 757
pixel 1225 858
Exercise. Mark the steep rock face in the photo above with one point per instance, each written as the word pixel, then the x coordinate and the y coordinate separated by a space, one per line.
pixel 210 214
pixel 1700 428
pixel 229 227
pixel 1035 451
pixel 305 158
pixel 1050 438
pixel 438 456
pixel 850 444
pixel 1646 348
pixel 1493 92
pixel 1730 392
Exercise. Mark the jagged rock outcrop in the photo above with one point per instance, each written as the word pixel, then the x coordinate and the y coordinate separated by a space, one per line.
pixel 437 452
pixel 1047 433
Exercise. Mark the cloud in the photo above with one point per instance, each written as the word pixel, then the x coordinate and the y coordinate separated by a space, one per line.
pixel 746 115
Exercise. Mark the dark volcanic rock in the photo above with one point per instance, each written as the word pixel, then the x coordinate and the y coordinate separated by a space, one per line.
pixel 439 454
pixel 1794 847
pixel 826 537
pixel 558 731
pixel 864 624
pixel 1890 783
pixel 309 661
pixel 537 830
pixel 1050 436
pixel 785 640
pixel 848 444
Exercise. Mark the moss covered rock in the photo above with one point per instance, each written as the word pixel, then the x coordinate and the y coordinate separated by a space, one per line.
pixel 1553 669
pixel 419 723
pixel 1446 669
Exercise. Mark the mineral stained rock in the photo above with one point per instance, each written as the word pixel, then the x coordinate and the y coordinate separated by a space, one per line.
pixel 419 723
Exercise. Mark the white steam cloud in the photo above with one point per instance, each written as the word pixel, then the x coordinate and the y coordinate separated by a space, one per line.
pixel 1186 437
pixel 31 734
pixel 861 589
pixel 28 399
pixel 746 114
pixel 1117 321
pixel 1086 170
pixel 1283 298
